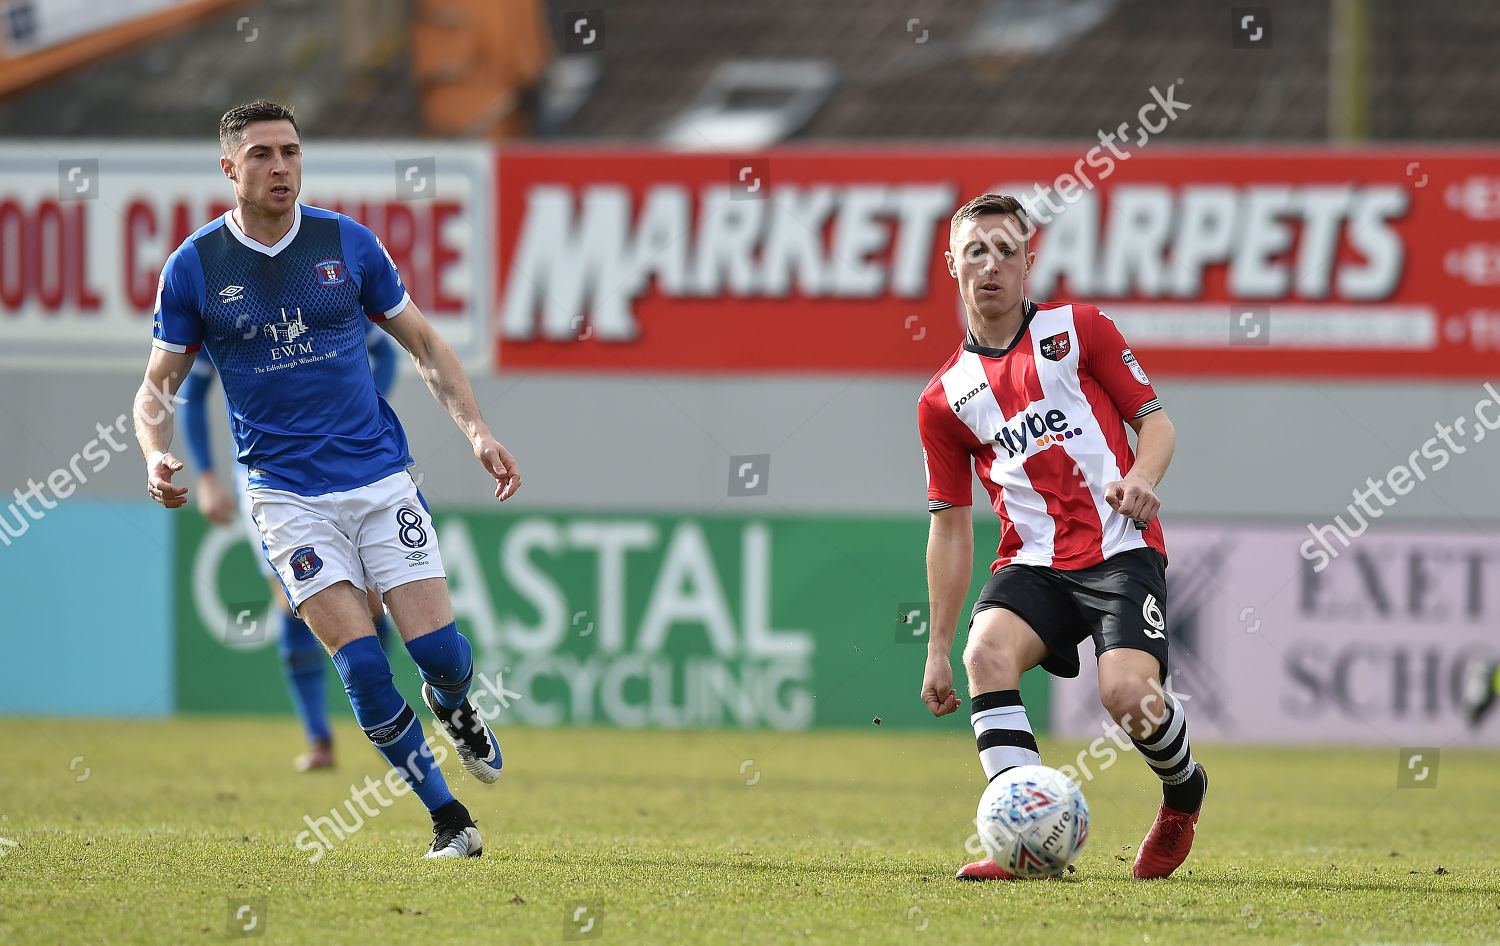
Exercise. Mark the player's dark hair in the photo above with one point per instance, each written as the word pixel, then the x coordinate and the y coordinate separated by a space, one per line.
pixel 232 126
pixel 994 204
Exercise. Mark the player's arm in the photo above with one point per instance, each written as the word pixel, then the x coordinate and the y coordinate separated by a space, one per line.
pixel 950 541
pixel 1109 360
pixel 177 333
pixel 1135 494
pixel 153 412
pixel 950 562
pixel 445 377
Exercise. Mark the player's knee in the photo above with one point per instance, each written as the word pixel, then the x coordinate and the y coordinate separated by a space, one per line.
pixel 444 656
pixel 990 665
pixel 1132 704
pixel 364 669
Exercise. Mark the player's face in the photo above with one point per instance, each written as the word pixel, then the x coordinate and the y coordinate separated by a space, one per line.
pixel 988 256
pixel 267 168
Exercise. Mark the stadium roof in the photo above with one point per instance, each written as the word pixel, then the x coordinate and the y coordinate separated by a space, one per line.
pixel 951 70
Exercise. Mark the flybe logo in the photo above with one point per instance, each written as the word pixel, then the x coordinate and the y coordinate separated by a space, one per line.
pixel 1043 430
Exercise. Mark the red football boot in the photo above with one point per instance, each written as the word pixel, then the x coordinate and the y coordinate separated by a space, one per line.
pixel 986 869
pixel 1170 839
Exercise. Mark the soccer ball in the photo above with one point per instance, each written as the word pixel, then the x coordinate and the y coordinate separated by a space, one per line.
pixel 1033 821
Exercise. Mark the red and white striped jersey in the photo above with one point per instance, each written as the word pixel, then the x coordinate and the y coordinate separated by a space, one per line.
pixel 1044 422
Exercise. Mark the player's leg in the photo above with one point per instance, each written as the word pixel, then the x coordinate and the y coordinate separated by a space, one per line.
pixel 1125 600
pixel 301 654
pixel 340 616
pixel 424 618
pixel 1002 645
pixel 1131 690
pixel 377 614
pixel 1481 687
pixel 302 659
pixel 307 542
pixel 398 550
pixel 1020 620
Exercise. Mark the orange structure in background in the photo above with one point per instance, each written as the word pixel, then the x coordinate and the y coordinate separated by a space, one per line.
pixel 474 61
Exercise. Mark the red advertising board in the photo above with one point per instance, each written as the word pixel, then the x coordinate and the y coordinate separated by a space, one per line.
pixel 1375 263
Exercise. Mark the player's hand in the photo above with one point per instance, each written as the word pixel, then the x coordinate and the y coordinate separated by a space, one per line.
pixel 501 465
pixel 214 500
pixel 159 470
pixel 937 687
pixel 1133 497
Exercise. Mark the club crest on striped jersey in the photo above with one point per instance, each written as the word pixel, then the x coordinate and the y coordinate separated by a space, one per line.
pixel 1057 347
pixel 331 272
pixel 1135 367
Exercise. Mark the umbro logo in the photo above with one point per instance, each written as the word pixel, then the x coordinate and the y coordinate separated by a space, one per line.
pixel 386 733
pixel 416 556
pixel 232 293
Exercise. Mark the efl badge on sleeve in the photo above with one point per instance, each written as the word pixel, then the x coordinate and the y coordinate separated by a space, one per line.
pixel 1057 347
pixel 1135 367
pixel 305 563
pixel 331 272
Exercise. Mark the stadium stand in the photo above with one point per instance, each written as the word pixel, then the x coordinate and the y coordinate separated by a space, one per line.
pixel 932 69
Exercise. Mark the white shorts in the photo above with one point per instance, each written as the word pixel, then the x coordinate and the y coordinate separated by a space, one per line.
pixel 247 517
pixel 377 536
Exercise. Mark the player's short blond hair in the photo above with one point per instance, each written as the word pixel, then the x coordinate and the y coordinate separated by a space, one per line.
pixel 994 204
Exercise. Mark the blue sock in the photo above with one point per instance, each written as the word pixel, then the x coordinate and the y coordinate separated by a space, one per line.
pixel 383 629
pixel 302 662
pixel 388 721
pixel 446 661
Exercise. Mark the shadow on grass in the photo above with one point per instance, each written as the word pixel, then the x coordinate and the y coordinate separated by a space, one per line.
pixel 758 863
pixel 1362 886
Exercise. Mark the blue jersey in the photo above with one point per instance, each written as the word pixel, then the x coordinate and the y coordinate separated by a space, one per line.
pixel 285 327
pixel 192 412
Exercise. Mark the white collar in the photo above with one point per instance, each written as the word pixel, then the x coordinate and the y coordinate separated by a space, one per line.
pixel 256 245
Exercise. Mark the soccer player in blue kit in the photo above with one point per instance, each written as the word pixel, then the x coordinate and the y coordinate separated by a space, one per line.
pixel 278 294
pixel 301 654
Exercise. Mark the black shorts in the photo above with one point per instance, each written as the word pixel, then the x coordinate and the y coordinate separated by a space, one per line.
pixel 1120 602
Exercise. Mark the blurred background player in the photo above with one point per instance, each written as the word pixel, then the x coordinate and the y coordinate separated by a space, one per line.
pixel 301 654
pixel 1481 687
pixel 1037 399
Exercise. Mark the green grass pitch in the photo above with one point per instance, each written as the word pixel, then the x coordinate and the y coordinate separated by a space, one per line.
pixel 162 828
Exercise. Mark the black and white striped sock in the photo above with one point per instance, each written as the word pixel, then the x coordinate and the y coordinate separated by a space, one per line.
pixel 1170 755
pixel 1002 732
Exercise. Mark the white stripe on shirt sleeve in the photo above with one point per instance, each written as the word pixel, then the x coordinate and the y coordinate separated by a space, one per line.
pixel 394 310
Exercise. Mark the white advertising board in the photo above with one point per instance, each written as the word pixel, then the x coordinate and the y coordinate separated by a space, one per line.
pixel 1373 649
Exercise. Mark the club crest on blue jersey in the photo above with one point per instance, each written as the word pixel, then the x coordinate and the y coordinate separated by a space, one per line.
pixel 331 272
pixel 305 563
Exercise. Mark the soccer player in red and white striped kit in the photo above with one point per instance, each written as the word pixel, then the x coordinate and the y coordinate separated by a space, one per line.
pixel 1037 398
